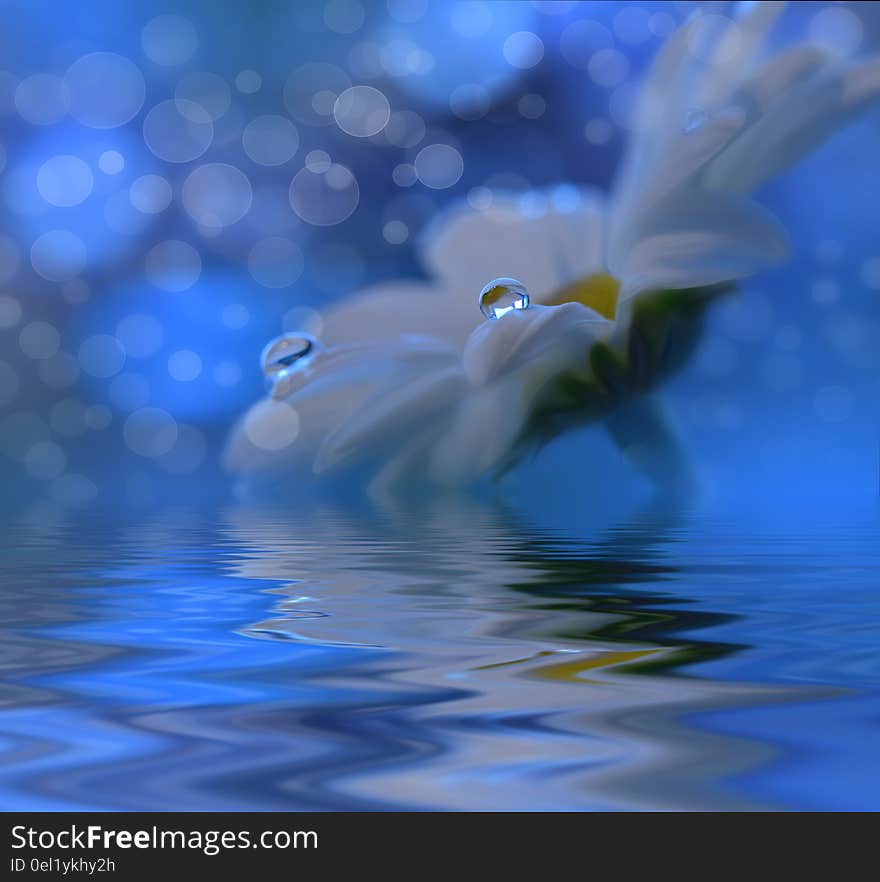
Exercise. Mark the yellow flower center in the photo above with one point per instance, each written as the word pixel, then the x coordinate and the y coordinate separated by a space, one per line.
pixel 599 292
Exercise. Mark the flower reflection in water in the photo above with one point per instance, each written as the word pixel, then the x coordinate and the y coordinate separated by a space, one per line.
pixel 457 657
pixel 502 666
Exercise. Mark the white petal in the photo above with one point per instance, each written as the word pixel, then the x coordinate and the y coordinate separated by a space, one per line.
pixel 393 416
pixel 636 213
pixel 480 433
pixel 510 361
pixel 783 71
pixel 716 238
pixel 327 394
pixel 860 84
pixel 731 59
pixel 509 343
pixel 250 446
pixel 317 414
pixel 405 354
pixel 576 238
pixel 468 248
pixel 405 307
pixel 794 124
pixel 406 466
pixel 664 93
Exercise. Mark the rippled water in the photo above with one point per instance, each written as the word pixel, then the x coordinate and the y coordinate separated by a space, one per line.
pixel 454 658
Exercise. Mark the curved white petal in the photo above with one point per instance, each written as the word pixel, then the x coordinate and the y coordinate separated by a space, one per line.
pixel 468 247
pixel 406 354
pixel 391 417
pixel 734 52
pixel 668 223
pixel 637 213
pixel 783 71
pixel 574 235
pixel 510 362
pixel 504 345
pixel 269 435
pixel 860 84
pixel 404 307
pixel 714 239
pixel 316 415
pixel 795 123
pixel 663 96
pixel 328 393
pixel 405 466
pixel 480 432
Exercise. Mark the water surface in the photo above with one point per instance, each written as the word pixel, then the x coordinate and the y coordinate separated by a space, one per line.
pixel 455 657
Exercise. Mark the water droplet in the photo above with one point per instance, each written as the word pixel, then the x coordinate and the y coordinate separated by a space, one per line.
pixel 501 296
pixel 694 118
pixel 287 353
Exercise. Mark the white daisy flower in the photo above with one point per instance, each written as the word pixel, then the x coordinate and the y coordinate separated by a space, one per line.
pixel 412 377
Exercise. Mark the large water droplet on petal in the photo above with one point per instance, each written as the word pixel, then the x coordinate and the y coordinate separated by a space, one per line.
pixel 287 353
pixel 501 296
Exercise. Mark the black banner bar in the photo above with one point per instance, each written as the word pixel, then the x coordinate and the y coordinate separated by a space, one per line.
pixel 139 845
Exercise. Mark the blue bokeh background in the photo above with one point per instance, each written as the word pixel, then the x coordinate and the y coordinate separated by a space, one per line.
pixel 781 399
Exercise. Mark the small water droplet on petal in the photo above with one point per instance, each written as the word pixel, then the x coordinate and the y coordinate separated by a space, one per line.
pixel 289 352
pixel 694 119
pixel 501 296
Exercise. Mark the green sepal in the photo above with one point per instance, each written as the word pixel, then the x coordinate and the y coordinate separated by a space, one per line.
pixel 609 368
pixel 664 331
